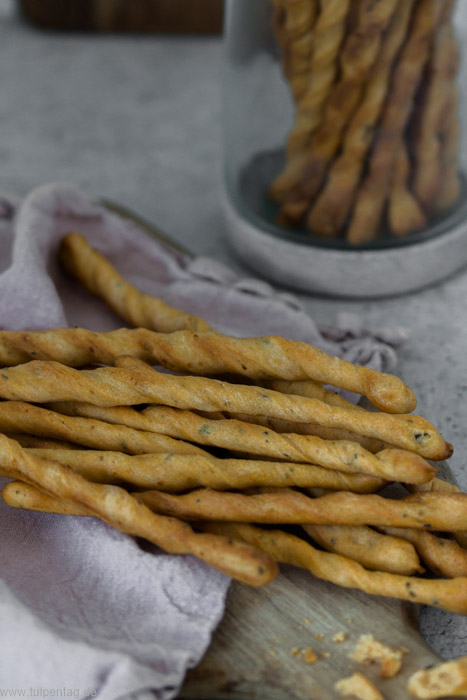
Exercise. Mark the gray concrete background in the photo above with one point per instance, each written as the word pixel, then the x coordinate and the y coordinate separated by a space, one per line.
pixel 137 120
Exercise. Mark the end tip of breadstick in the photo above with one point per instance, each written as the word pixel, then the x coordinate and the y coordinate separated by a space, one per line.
pixel 388 393
pixel 67 244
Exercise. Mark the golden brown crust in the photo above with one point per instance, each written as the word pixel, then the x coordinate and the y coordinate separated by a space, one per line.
pixel 208 354
pixel 358 55
pixel 408 73
pixel 102 279
pixel 442 556
pixel 133 382
pixel 172 472
pixel 240 436
pixel 288 549
pixel 330 210
pixel 311 90
pixel 446 512
pixel 41 422
pixel 371 549
pixel 119 509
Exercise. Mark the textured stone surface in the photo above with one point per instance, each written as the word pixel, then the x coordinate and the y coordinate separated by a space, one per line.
pixel 137 120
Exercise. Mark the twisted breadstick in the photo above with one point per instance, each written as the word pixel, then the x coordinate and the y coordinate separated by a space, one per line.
pixel 357 58
pixel 404 212
pixel 174 473
pixel 442 69
pixel 133 382
pixel 373 445
pixel 442 556
pixel 41 422
pixel 293 24
pixel 369 548
pixel 409 432
pixel 430 511
pixel 116 507
pixel 309 388
pixel 330 210
pixel 407 75
pixel 446 487
pixel 289 549
pixel 207 354
pixel 311 90
pixel 231 434
pixel 102 279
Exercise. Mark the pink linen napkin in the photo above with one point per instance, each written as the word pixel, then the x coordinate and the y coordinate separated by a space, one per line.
pixel 84 608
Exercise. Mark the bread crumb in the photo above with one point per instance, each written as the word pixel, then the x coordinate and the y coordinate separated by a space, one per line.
pixel 319 637
pixel 325 654
pixel 310 655
pixel 446 679
pixel 358 686
pixel 339 637
pixel 307 621
pixel 369 650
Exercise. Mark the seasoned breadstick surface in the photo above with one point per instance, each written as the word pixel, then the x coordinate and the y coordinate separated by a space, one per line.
pixel 118 508
pixel 207 354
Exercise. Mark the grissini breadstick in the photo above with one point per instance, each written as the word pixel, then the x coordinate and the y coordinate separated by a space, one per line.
pixel 19 494
pixel 289 549
pixel 407 75
pixel 371 549
pixel 442 69
pixel 442 556
pixel 234 435
pixel 447 679
pixel 404 213
pixel 311 389
pixel 285 426
pixel 133 382
pixel 447 487
pixel 358 55
pixel 207 354
pixel 330 210
pixel 293 23
pixel 17 415
pixel 406 431
pixel 430 511
pixel 119 509
pixel 102 279
pixel 311 91
pixel 172 472
pixel 27 440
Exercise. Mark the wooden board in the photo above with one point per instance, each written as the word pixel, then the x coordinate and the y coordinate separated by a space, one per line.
pixel 250 653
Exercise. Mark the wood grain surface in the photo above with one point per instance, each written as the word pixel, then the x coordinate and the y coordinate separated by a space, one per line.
pixel 250 655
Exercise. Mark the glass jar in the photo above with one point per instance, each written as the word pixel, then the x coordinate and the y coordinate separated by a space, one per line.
pixel 343 146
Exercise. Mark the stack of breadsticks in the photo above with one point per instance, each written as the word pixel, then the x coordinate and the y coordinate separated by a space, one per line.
pixel 374 148
pixel 197 464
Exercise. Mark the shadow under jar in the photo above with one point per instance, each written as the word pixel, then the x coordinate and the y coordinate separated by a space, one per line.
pixel 344 148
